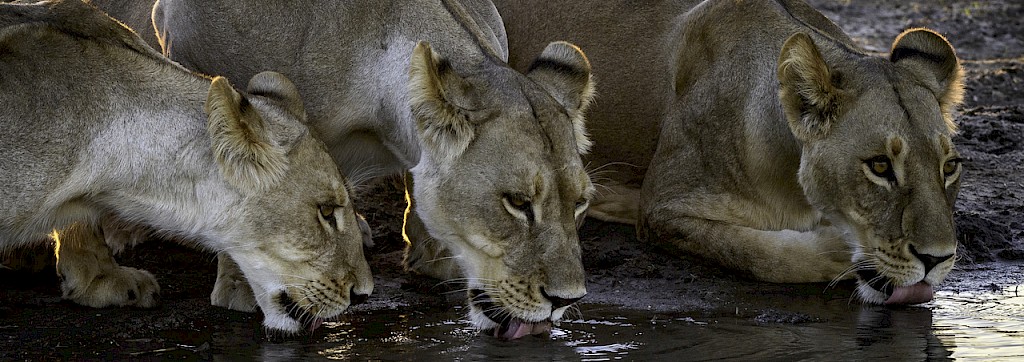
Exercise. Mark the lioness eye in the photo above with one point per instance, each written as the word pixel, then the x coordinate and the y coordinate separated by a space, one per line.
pixel 520 204
pixel 881 167
pixel 327 212
pixel 949 168
pixel 581 207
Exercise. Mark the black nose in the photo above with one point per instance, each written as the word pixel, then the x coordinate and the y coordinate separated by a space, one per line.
pixel 929 261
pixel 557 302
pixel 355 298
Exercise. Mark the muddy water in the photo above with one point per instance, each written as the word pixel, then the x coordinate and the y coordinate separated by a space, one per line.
pixel 978 325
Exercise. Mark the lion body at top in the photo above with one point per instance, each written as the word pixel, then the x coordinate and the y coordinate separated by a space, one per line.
pixel 757 135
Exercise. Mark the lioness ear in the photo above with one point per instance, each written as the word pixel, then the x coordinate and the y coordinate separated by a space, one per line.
pixel 239 140
pixel 276 86
pixel 809 96
pixel 435 95
pixel 930 55
pixel 564 72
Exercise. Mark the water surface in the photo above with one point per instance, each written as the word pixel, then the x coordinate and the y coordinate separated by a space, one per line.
pixel 976 325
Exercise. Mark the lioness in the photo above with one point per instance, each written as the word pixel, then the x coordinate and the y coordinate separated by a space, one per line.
pixel 135 14
pixel 784 152
pixel 494 155
pixel 97 124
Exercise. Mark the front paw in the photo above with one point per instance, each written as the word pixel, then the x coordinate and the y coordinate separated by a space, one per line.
pixel 836 254
pixel 233 293
pixel 119 286
pixel 428 257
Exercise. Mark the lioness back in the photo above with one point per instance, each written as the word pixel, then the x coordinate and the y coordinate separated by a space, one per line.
pixel 136 14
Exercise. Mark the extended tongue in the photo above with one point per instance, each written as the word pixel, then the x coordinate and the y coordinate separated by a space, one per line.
pixel 912 294
pixel 517 329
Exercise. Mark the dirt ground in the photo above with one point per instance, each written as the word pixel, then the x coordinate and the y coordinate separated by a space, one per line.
pixel 989 36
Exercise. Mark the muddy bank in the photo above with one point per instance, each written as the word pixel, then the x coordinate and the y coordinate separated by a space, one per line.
pixel 35 323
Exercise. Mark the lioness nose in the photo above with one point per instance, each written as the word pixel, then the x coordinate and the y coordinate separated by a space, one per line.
pixel 929 261
pixel 557 302
pixel 356 298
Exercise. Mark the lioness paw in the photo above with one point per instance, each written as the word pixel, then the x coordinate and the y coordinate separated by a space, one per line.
pixel 834 253
pixel 234 293
pixel 120 286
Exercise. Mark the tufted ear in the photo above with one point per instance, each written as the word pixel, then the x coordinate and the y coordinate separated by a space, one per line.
pixel 564 72
pixel 932 58
pixel 438 98
pixel 810 98
pixel 239 140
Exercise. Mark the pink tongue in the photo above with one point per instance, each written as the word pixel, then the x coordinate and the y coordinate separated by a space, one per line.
pixel 517 329
pixel 914 294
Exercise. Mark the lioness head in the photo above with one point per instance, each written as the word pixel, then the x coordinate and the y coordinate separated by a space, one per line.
pixel 293 230
pixel 501 184
pixel 877 157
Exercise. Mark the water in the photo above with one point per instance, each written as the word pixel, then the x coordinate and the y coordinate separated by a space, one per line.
pixel 988 325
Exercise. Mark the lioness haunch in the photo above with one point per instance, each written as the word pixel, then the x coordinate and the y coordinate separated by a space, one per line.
pixel 98 124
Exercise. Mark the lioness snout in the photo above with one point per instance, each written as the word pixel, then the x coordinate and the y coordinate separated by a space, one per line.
pixel 557 302
pixel 929 261
pixel 356 298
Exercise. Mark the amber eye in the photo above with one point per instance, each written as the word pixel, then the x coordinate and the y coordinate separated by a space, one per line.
pixel 949 168
pixel 327 212
pixel 519 203
pixel 881 166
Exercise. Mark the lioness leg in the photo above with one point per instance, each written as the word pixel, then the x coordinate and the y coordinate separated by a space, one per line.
pixel 91 277
pixel 781 256
pixel 232 290
pixel 616 202
pixel 32 258
pixel 424 254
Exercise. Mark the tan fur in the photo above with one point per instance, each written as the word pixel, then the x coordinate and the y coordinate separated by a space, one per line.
pixel 578 101
pixel 107 138
pixel 946 78
pixel 623 44
pixel 242 147
pixel 801 66
pixel 435 104
pixel 768 124
pixel 423 87
pixel 135 14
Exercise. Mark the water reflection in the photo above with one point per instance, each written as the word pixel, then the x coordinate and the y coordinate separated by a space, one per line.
pixel 899 333
pixel 955 326
pixel 983 325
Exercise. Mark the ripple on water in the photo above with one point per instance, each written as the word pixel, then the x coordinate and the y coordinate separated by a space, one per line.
pixel 982 325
